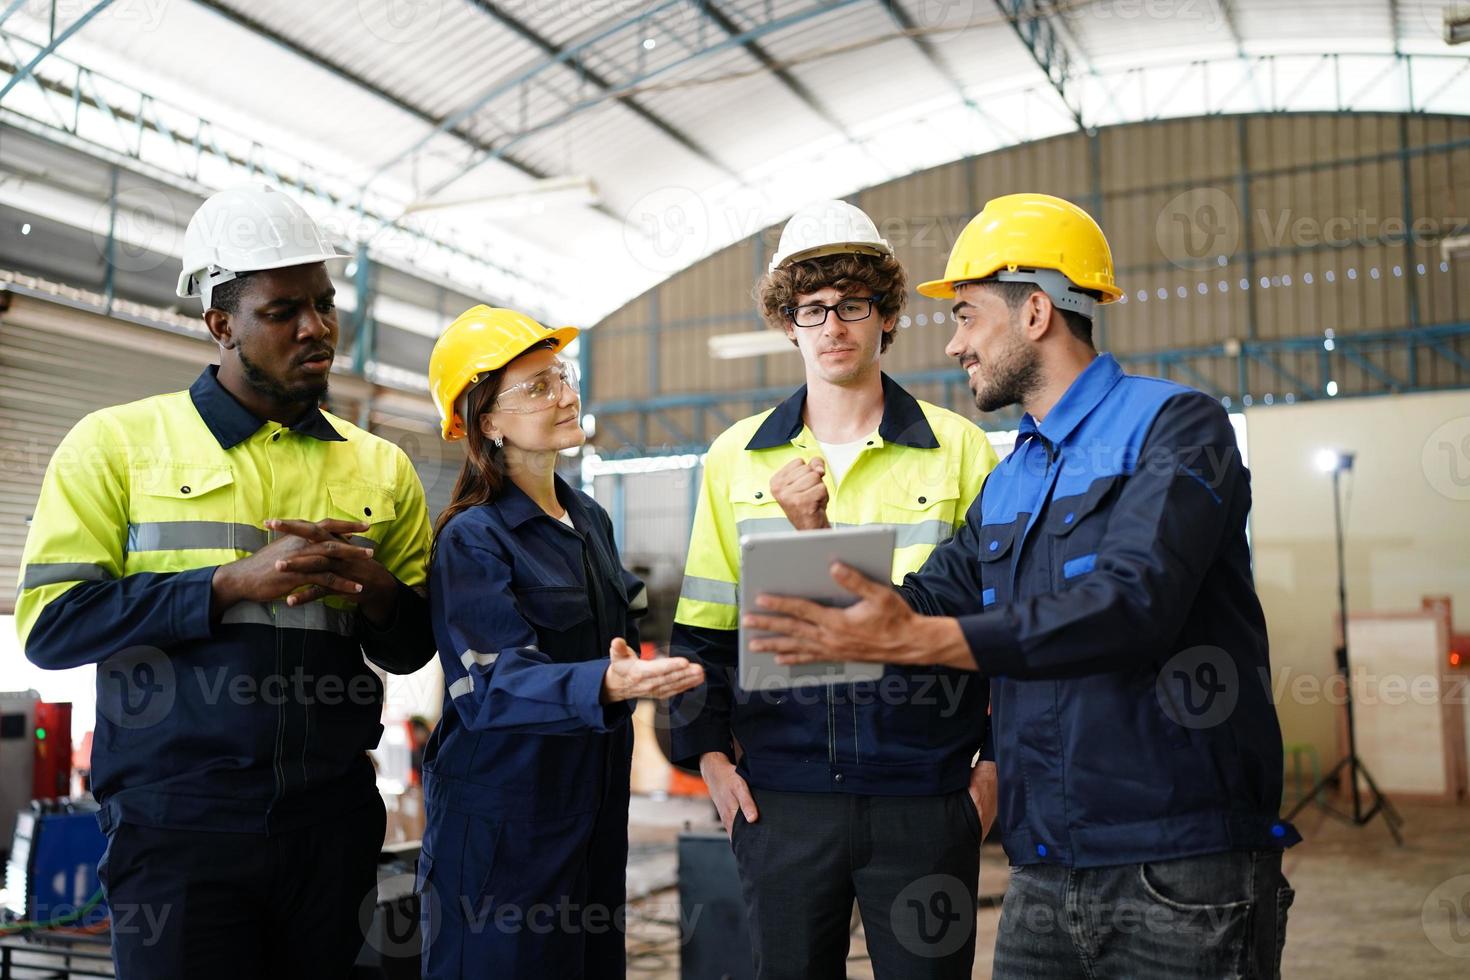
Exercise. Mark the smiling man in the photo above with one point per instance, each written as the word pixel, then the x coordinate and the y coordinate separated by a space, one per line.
pixel 227 556
pixel 1103 581
pixel 864 791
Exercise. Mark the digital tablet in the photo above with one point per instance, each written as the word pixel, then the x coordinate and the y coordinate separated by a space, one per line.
pixel 798 564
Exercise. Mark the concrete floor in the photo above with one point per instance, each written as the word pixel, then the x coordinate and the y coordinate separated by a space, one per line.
pixel 1365 909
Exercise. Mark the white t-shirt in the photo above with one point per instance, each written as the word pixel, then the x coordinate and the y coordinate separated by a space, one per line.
pixel 840 456
pixel 566 518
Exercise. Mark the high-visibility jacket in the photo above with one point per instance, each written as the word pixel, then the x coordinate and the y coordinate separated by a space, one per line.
pixel 259 721
pixel 913 732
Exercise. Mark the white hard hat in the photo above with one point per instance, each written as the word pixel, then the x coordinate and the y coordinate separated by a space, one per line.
pixel 247 229
pixel 828 228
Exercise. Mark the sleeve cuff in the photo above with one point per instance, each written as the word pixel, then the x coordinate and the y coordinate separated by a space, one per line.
pixel 992 640
pixel 688 744
pixel 193 604
pixel 586 691
pixel 405 644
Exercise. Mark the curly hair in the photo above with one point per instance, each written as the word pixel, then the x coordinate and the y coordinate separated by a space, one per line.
pixel 848 273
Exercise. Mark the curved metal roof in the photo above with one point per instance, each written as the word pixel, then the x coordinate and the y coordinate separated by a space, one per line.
pixel 698 122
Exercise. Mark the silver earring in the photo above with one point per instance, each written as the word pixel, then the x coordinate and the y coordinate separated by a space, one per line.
pixel 499 442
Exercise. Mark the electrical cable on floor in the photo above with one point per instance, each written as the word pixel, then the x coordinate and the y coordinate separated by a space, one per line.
pixel 13 928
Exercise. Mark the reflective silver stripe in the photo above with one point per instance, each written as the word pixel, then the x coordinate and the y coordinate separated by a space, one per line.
pixel 312 616
pixel 924 532
pixel 37 575
pixel 709 590
pixel 762 525
pixel 461 687
pixel 191 535
pixel 474 658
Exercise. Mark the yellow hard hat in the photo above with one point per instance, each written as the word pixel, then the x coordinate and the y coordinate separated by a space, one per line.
pixel 1021 232
pixel 480 340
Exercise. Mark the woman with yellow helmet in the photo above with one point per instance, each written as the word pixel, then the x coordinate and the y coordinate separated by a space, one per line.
pixel 526 777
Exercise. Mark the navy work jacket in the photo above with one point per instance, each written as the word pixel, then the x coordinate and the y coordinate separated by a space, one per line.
pixel 1103 581
pixel 524 609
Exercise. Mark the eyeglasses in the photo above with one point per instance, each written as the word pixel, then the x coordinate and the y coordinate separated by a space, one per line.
pixel 539 392
pixel 848 310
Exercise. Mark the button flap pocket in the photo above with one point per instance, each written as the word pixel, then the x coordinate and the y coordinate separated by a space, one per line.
pixel 1067 512
pixel 360 502
pixel 923 494
pixel 180 482
pixel 995 540
pixel 556 608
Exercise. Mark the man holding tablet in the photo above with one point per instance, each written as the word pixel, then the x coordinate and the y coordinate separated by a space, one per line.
pixel 1103 581
pixel 862 791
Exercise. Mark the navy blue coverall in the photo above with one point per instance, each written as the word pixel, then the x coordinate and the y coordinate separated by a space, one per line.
pixel 526 776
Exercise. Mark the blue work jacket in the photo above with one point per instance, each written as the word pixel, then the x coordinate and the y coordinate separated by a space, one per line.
pixel 1103 581
pixel 524 609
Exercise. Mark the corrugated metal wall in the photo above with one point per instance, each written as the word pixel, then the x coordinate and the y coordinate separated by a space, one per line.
pixel 1223 228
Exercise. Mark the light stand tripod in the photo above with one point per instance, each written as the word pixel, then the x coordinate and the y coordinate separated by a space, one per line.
pixel 1337 463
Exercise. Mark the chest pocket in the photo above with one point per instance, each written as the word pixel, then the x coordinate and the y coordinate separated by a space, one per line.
pixel 177 511
pixel 925 512
pixel 562 619
pixel 363 503
pixel 756 510
pixel 997 541
pixel 1075 526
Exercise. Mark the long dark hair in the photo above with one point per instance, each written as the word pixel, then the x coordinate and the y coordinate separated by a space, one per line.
pixel 484 473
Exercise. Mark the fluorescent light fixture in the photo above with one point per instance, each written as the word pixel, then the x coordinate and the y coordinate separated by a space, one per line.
pixel 1328 460
pixel 754 343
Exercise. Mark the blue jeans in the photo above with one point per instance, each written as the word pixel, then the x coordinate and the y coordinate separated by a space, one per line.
pixel 1212 918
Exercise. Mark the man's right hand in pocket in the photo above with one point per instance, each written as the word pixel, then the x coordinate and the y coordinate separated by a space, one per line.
pixel 727 789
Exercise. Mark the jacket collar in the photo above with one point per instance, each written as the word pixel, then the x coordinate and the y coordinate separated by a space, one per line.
pixel 903 420
pixel 232 423
pixel 517 508
pixel 1084 394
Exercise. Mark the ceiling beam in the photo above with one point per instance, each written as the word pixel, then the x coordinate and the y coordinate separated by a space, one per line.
pixel 57 41
pixel 576 64
pixel 1032 22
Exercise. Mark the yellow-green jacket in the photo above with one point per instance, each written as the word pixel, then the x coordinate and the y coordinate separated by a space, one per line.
pixel 255 718
pixel 914 732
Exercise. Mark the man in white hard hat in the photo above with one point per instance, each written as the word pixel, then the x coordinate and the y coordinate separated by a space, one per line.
pixel 870 791
pixel 227 556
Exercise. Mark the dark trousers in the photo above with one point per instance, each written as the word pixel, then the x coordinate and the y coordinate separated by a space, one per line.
pixel 188 904
pixel 525 899
pixel 911 862
pixel 1210 918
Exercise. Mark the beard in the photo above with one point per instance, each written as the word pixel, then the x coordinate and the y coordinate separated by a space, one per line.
pixel 306 394
pixel 1010 379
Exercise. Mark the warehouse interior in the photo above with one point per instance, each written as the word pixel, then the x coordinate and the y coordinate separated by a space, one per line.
pixel 1285 189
